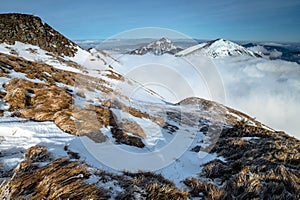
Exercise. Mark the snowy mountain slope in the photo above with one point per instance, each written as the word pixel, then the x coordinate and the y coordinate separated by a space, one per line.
pixel 84 113
pixel 216 49
pixel 159 47
pixel 191 49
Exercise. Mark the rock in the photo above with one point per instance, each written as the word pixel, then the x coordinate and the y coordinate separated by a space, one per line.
pixel 132 127
pixel 32 30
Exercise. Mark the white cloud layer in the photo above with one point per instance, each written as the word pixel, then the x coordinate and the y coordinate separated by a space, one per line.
pixel 266 89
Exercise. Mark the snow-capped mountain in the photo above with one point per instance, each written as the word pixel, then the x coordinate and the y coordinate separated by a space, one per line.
pixel 158 47
pixel 56 108
pixel 216 49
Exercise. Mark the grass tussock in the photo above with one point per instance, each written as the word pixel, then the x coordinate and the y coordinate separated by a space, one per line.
pixel 146 185
pixel 156 191
pixel 113 75
pixel 37 154
pixel 205 190
pixel 60 179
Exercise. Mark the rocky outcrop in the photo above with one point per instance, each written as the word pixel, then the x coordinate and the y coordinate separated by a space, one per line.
pixel 32 30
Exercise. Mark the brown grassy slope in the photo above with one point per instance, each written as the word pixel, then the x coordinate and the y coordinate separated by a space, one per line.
pixel 264 168
pixel 48 102
pixel 60 179
pixel 65 179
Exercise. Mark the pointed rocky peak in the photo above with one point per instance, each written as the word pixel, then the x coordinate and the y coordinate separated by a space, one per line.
pixel 32 30
pixel 158 47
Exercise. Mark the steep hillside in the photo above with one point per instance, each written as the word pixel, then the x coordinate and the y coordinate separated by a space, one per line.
pixel 32 30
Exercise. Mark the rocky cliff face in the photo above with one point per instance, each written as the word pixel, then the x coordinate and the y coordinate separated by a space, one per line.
pixel 32 30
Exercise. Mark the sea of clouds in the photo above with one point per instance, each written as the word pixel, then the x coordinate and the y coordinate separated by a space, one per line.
pixel 268 90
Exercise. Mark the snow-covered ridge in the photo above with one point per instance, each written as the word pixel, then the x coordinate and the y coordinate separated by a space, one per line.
pixel 190 50
pixel 158 47
pixel 217 48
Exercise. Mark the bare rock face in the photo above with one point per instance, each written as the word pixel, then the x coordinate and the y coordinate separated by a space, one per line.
pixel 32 30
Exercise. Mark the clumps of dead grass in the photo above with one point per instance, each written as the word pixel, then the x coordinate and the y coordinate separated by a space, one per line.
pixel 48 102
pixel 113 75
pixel 44 102
pixel 38 70
pixel 146 185
pixel 265 167
pixel 206 190
pixel 66 179
pixel 37 154
pixel 36 101
pixel 60 179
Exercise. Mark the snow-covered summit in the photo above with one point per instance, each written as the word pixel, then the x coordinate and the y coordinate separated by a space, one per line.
pixel 217 48
pixel 158 47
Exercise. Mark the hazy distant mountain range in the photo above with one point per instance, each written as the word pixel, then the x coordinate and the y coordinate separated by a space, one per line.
pixel 284 51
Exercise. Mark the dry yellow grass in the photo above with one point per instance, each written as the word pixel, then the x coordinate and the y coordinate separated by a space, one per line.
pixel 65 179
pixel 48 102
pixel 263 168
pixel 60 179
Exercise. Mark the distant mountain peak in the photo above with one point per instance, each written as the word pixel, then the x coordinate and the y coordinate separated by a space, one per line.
pixel 217 48
pixel 32 30
pixel 158 47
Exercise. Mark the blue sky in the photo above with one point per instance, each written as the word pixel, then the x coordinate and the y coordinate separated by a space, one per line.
pixel 264 20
